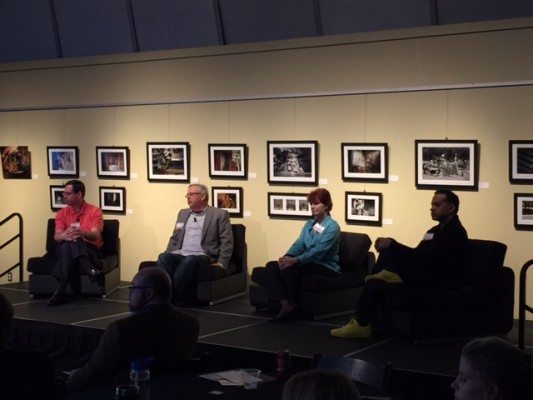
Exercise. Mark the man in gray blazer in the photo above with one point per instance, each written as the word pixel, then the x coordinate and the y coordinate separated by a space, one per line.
pixel 202 236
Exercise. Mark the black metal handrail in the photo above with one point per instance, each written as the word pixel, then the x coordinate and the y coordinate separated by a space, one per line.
pixel 522 306
pixel 20 237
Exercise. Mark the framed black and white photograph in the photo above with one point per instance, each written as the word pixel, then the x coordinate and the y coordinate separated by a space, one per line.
pixel 288 205
pixel 449 163
pixel 57 201
pixel 63 162
pixel 113 162
pixel 365 162
pixel 228 161
pixel 523 211
pixel 113 199
pixel 363 208
pixel 168 162
pixel 293 162
pixel 229 199
pixel 521 161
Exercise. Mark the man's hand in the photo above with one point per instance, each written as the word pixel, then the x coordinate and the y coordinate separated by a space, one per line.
pixel 218 265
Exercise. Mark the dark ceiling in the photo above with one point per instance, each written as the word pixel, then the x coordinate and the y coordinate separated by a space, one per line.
pixel 48 29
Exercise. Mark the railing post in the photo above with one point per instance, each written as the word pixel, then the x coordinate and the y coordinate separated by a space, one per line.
pixel 522 306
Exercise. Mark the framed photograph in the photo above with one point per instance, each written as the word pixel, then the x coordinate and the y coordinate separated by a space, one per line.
pixel 57 202
pixel 63 162
pixel 168 162
pixel 228 198
pixel 288 205
pixel 523 211
pixel 363 208
pixel 113 162
pixel 293 162
pixel 365 162
pixel 449 163
pixel 521 161
pixel 16 162
pixel 113 199
pixel 228 161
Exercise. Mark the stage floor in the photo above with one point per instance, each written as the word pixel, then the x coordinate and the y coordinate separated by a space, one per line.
pixel 236 324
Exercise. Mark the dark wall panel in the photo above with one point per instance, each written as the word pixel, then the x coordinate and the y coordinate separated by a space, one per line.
pixel 350 16
pixel 26 31
pixel 458 11
pixel 262 20
pixel 94 27
pixel 171 24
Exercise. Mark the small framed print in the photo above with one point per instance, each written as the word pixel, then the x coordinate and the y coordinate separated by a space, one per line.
pixel 113 199
pixel 113 162
pixel 228 161
pixel 168 162
pixel 449 163
pixel 228 198
pixel 523 211
pixel 16 162
pixel 365 162
pixel 521 161
pixel 293 162
pixel 63 162
pixel 288 205
pixel 57 201
pixel 363 208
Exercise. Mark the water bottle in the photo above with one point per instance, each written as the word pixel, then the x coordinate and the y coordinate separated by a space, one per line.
pixel 140 376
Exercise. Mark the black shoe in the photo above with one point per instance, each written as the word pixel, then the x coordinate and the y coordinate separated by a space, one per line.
pixel 56 299
pixel 94 274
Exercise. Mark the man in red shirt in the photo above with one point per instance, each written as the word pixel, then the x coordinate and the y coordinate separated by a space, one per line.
pixel 78 233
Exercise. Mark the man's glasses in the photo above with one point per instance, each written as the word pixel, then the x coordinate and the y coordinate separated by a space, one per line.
pixel 192 194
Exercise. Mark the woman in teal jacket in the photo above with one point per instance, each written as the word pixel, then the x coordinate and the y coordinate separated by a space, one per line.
pixel 316 252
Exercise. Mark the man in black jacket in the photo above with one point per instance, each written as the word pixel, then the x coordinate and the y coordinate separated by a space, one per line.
pixel 437 262
pixel 155 329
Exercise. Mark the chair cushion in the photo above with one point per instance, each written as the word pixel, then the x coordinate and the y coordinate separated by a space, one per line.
pixel 353 251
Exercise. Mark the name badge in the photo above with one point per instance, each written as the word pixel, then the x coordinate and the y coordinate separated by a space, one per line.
pixel 428 236
pixel 179 226
pixel 318 228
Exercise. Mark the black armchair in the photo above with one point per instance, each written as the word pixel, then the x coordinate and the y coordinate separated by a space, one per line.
pixel 216 285
pixel 41 281
pixel 321 296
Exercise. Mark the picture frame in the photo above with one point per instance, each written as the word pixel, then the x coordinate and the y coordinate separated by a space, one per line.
pixel 288 206
pixel 113 162
pixel 228 161
pixel 168 161
pixel 365 162
pixel 364 208
pixel 112 199
pixel 521 161
pixel 16 162
pixel 63 161
pixel 293 162
pixel 523 211
pixel 449 163
pixel 57 201
pixel 229 199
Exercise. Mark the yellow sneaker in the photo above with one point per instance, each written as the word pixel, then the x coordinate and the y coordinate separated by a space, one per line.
pixel 385 275
pixel 352 330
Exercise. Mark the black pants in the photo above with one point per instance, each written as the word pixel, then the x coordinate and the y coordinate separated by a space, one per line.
pixel 73 259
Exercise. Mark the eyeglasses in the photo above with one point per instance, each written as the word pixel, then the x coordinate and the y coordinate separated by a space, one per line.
pixel 192 194
pixel 138 287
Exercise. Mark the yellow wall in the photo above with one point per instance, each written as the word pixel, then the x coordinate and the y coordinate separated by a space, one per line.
pixel 456 82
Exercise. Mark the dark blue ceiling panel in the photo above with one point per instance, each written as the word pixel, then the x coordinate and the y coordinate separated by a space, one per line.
pixel 349 16
pixel 94 27
pixel 171 24
pixel 26 31
pixel 458 11
pixel 262 20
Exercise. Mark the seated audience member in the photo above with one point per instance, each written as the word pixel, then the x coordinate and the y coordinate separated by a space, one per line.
pixel 155 329
pixel 437 263
pixel 6 316
pixel 316 251
pixel 202 236
pixel 317 384
pixel 492 368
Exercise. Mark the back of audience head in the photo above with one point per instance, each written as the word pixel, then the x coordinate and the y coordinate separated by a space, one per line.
pixel 317 384
pixel 492 368
pixel 150 286
pixel 6 316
